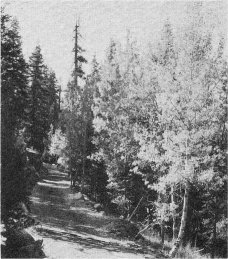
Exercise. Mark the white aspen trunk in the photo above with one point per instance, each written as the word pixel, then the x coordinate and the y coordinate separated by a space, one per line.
pixel 132 214
pixel 162 233
pixel 174 212
pixel 183 222
pixel 162 224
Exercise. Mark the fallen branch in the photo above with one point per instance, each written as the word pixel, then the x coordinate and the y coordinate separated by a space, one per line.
pixel 143 229
pixel 129 218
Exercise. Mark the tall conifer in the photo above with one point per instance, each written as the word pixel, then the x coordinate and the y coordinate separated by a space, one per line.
pixel 14 97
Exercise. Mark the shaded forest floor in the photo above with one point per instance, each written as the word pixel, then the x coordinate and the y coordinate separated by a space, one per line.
pixel 71 228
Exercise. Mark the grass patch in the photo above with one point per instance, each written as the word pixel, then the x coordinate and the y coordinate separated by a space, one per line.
pixel 186 252
pixel 190 252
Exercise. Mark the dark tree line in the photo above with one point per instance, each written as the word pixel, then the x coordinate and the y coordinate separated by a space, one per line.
pixel 29 103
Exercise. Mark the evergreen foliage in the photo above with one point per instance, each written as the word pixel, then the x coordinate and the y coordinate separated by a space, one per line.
pixel 29 107
pixel 14 98
pixel 43 101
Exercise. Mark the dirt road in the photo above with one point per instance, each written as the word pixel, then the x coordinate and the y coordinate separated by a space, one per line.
pixel 71 228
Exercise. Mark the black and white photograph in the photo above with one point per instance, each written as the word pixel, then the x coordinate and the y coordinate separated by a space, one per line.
pixel 114 129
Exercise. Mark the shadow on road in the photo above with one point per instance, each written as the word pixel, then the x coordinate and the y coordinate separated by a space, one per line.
pixel 64 218
pixel 86 241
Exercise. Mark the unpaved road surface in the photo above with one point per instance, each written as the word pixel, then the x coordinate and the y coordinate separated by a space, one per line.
pixel 71 228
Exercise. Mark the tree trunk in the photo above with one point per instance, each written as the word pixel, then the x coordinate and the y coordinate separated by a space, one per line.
pixel 84 158
pixel 162 223
pixel 183 223
pixel 132 214
pixel 162 233
pixel 84 117
pixel 174 213
pixel 214 236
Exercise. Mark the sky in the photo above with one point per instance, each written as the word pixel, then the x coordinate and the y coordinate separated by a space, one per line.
pixel 51 25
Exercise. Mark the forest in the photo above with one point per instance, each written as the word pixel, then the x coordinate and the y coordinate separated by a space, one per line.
pixel 143 134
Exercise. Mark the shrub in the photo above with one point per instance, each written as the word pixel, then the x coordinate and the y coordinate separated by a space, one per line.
pixel 124 229
pixel 190 252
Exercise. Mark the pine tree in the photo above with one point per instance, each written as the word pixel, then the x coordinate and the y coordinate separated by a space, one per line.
pixel 53 88
pixel 96 177
pixel 43 101
pixel 76 115
pixel 14 97
pixel 14 76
